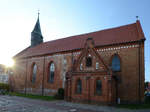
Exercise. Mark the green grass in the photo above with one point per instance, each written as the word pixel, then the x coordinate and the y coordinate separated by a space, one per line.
pixel 47 98
pixel 135 106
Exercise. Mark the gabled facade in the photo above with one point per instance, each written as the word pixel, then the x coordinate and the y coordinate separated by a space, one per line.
pixel 90 79
pixel 97 67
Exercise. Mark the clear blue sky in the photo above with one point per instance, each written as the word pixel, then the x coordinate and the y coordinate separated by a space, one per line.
pixel 61 18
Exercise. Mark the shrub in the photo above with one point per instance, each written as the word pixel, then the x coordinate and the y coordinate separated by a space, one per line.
pixel 60 94
pixel 4 88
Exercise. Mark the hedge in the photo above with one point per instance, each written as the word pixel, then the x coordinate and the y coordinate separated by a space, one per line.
pixel 4 86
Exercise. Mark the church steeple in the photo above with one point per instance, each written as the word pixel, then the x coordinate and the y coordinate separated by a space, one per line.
pixel 36 34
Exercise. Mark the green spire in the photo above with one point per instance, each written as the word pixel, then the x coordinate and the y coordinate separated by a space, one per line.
pixel 36 34
pixel 37 28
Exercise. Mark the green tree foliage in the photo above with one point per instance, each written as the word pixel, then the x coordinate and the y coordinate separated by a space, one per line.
pixel 146 85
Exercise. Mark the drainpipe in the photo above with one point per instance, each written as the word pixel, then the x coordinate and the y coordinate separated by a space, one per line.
pixel 71 87
pixel 116 84
pixel 43 77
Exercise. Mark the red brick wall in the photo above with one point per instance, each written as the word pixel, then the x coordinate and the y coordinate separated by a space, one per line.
pixel 89 88
pixel 128 86
pixel 19 74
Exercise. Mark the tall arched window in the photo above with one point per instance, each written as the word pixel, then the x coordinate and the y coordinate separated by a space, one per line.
pixel 79 87
pixel 34 72
pixel 98 87
pixel 115 63
pixel 51 73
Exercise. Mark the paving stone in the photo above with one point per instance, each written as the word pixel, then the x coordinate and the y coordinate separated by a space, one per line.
pixel 19 104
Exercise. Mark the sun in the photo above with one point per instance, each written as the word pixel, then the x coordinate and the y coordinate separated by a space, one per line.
pixel 9 62
pixel 6 60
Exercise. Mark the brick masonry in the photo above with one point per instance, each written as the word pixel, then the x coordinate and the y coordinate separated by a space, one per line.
pixel 129 87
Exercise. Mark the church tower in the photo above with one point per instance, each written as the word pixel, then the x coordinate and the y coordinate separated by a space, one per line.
pixel 36 35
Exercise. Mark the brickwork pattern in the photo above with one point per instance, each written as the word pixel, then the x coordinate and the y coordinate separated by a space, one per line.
pixel 128 87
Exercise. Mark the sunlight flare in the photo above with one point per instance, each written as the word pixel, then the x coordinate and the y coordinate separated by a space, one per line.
pixel 9 62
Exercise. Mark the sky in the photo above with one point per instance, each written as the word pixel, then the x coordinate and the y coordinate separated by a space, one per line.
pixel 63 18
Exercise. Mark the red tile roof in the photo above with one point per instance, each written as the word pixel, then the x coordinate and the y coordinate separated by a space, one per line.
pixel 127 33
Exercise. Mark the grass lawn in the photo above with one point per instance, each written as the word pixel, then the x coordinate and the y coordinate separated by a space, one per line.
pixel 47 98
pixel 135 106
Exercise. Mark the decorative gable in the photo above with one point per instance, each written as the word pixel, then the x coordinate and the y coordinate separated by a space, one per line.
pixel 89 59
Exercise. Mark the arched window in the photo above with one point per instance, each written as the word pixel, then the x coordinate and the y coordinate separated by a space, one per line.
pixel 79 87
pixel 34 72
pixel 81 66
pixel 97 65
pixel 98 87
pixel 115 63
pixel 88 61
pixel 51 73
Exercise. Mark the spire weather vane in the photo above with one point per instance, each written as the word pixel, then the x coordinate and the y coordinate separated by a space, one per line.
pixel 38 13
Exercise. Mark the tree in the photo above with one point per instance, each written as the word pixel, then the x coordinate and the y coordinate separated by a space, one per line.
pixel 146 85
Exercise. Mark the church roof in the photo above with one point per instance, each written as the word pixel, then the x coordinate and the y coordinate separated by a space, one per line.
pixel 123 34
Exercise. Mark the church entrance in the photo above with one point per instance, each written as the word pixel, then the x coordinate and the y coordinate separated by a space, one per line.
pixel 90 88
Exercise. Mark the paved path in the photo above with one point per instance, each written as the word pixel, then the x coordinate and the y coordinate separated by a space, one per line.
pixel 19 104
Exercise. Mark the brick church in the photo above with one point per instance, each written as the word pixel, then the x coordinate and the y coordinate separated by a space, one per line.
pixel 97 67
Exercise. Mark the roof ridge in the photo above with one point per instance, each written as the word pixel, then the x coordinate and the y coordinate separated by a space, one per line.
pixel 89 32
